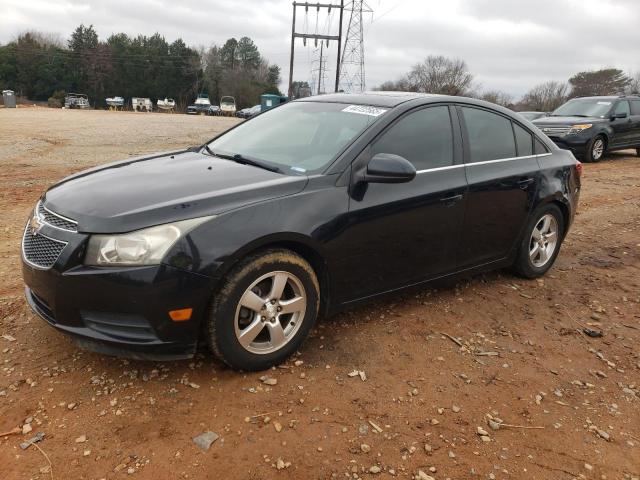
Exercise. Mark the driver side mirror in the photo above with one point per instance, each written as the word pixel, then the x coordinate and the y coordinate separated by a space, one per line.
pixel 388 168
pixel 619 115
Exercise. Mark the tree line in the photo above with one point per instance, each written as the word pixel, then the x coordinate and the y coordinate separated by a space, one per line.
pixel 451 76
pixel 41 67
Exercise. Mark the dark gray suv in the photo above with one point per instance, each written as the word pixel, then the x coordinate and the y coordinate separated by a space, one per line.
pixel 592 126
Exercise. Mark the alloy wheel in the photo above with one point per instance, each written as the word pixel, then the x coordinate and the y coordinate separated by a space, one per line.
pixel 544 240
pixel 598 149
pixel 270 312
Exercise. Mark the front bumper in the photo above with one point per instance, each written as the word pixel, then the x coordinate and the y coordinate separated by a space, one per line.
pixel 577 144
pixel 121 311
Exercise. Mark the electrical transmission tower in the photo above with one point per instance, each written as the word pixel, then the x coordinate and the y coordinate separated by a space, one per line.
pixel 352 78
pixel 319 71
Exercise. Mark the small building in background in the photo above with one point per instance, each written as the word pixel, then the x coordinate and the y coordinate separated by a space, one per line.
pixel 9 98
pixel 269 100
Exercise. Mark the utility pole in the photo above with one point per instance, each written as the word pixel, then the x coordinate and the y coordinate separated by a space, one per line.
pixel 305 36
pixel 352 78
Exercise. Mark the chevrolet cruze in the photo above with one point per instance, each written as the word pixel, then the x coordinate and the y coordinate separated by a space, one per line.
pixel 304 210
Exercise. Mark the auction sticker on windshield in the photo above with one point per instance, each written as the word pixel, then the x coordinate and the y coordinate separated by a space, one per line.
pixel 365 110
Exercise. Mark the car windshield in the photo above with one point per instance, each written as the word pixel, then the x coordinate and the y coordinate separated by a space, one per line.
pixel 583 108
pixel 298 137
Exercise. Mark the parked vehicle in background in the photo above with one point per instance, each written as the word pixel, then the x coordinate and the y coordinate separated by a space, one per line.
pixel 214 110
pixel 76 100
pixel 167 105
pixel 115 103
pixel 592 126
pixel 533 115
pixel 249 112
pixel 202 105
pixel 140 104
pixel 301 211
pixel 228 106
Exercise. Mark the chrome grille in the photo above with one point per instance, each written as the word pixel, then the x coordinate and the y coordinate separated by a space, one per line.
pixel 557 131
pixel 39 250
pixel 55 220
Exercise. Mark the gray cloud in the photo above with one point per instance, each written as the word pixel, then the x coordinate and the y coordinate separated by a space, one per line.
pixel 508 44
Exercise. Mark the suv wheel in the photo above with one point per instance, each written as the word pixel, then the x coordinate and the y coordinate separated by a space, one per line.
pixel 264 311
pixel 596 149
pixel 541 242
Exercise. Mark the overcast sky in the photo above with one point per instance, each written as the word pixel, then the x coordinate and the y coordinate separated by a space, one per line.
pixel 508 44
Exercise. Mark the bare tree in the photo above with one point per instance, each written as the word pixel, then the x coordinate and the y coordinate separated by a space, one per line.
pixel 545 97
pixel 634 84
pixel 497 97
pixel 439 74
pixel 436 74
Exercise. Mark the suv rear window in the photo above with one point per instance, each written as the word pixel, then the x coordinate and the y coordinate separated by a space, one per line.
pixel 635 107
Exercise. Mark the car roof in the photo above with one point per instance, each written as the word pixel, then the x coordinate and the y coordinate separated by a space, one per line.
pixel 378 99
pixel 600 97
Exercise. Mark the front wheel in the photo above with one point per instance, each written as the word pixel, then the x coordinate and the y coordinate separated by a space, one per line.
pixel 264 311
pixel 541 242
pixel 596 149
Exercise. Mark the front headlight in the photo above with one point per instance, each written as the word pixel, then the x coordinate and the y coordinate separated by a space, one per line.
pixel 142 247
pixel 580 128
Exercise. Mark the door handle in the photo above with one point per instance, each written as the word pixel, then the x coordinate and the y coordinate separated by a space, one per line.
pixel 451 200
pixel 524 184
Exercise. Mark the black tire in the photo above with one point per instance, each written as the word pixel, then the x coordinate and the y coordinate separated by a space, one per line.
pixel 524 266
pixel 226 314
pixel 638 151
pixel 592 155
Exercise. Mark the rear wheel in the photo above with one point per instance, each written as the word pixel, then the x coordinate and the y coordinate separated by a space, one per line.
pixel 264 311
pixel 596 149
pixel 638 151
pixel 541 242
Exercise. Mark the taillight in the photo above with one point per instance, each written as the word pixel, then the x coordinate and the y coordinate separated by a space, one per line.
pixel 579 168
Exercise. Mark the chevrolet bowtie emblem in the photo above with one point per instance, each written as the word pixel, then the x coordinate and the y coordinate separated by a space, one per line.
pixel 35 225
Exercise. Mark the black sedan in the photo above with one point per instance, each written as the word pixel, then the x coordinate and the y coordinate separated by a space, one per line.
pixel 314 206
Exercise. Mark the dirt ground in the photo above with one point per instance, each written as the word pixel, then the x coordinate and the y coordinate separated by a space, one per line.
pixel 437 364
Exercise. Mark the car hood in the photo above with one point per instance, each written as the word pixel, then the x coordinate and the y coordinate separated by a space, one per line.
pixel 145 191
pixel 546 121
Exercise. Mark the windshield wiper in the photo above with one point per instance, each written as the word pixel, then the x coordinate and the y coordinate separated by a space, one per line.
pixel 244 160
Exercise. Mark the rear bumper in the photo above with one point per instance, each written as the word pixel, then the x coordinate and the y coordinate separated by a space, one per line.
pixel 121 312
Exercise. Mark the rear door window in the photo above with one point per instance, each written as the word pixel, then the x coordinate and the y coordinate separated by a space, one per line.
pixel 540 148
pixel 524 141
pixel 635 107
pixel 490 135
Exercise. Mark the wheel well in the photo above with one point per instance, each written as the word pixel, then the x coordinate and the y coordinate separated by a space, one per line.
pixel 316 261
pixel 605 138
pixel 565 215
